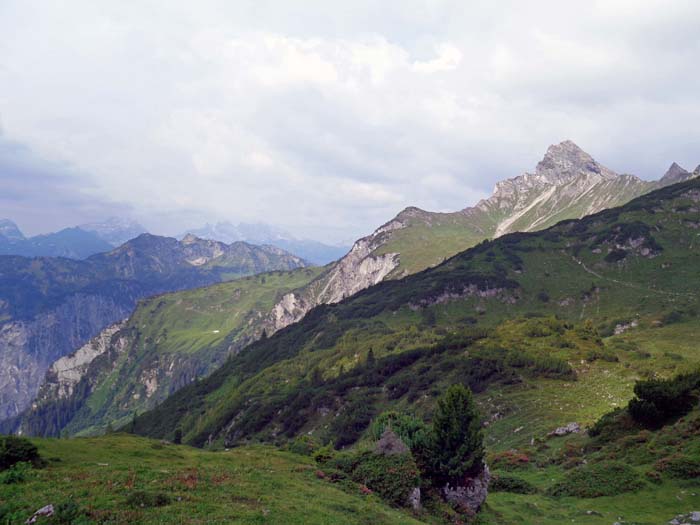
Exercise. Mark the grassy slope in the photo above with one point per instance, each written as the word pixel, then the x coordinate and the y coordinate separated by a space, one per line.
pixel 196 329
pixel 252 485
pixel 190 333
pixel 566 263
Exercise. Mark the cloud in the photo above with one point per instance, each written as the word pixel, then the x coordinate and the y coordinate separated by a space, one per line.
pixel 39 194
pixel 328 118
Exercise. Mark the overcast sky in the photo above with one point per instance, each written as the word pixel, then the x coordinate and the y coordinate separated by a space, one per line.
pixel 327 118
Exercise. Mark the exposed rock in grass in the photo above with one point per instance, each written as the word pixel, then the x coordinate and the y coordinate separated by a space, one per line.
pixel 570 428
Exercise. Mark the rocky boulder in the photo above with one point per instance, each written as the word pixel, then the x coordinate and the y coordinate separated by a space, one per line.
pixel 390 444
pixel 570 428
pixel 471 493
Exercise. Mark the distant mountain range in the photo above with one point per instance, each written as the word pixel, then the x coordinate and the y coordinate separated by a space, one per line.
pixel 88 239
pixel 313 251
pixel 50 306
pixel 74 243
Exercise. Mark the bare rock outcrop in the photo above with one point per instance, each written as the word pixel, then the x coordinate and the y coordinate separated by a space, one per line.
pixel 471 493
pixel 390 444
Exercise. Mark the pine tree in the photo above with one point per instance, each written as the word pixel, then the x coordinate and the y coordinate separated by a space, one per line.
pixel 370 359
pixel 457 442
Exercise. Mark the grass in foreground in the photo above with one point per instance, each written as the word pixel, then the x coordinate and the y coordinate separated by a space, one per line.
pixel 111 477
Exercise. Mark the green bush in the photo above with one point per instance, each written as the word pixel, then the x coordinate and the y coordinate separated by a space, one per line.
pixel 14 449
pixel 391 477
pixel 659 400
pixel 17 473
pixel 679 466
pixel 303 445
pixel 407 427
pixel 599 479
pixel 141 498
pixel 511 484
pixel 69 513
pixel 613 425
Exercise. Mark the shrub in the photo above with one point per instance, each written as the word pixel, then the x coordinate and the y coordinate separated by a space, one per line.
pixel 352 422
pixel 391 477
pixel 600 479
pixel 303 445
pixel 405 426
pixel 14 449
pixel 17 473
pixel 69 513
pixel 679 466
pixel 615 255
pixel 141 498
pixel 511 484
pixel 612 425
pixel 509 460
pixel 323 454
pixel 659 400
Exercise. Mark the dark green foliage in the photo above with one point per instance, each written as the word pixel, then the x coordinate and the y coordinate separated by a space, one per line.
pixel 455 448
pixel 391 477
pixel 69 513
pixel 659 400
pixel 303 445
pixel 142 498
pixel 680 466
pixel 500 483
pixel 409 428
pixel 543 296
pixel 17 473
pixel 352 422
pixel 599 479
pixel 615 255
pixel 15 449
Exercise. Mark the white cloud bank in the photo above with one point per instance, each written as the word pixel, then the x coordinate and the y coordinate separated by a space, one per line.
pixel 328 119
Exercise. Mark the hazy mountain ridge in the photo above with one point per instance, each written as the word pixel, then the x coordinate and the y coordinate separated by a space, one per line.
pixel 51 306
pixel 313 251
pixel 114 230
pixel 73 243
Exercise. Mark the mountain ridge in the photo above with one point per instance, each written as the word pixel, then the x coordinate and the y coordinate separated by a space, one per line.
pixel 49 307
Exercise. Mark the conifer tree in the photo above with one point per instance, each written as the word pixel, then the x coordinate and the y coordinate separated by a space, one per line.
pixel 457 442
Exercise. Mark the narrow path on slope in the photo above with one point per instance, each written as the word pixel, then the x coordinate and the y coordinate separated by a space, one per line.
pixel 630 285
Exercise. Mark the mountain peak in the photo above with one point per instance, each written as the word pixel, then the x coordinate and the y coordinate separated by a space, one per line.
pixel 10 231
pixel 675 173
pixel 566 160
pixel 190 239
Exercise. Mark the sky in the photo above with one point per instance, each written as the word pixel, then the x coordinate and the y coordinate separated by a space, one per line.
pixel 327 118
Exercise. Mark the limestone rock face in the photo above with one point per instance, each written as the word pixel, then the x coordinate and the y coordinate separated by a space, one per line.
pixel 29 347
pixel 67 371
pixel 471 494
pixel 359 269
